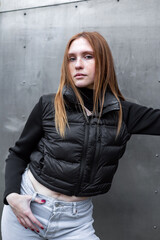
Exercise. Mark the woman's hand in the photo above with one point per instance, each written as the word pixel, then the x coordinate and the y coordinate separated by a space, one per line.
pixel 20 205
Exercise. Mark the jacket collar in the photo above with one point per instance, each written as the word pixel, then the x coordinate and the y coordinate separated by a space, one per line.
pixel 110 102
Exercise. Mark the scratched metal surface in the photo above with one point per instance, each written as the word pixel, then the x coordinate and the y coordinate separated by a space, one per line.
pixel 32 43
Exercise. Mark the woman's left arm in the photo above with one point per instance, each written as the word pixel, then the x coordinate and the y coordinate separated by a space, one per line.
pixel 140 119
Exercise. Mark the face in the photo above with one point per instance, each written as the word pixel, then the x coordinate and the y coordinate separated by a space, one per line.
pixel 82 63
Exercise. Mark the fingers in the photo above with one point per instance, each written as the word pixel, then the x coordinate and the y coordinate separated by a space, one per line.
pixel 34 220
pixel 21 222
pixel 22 210
pixel 29 224
pixel 20 205
pixel 40 201
pixel 29 221
pixel 35 199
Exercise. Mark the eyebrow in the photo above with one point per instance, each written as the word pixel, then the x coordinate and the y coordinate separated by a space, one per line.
pixel 85 52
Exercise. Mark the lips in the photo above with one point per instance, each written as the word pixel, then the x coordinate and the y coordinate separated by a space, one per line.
pixel 80 75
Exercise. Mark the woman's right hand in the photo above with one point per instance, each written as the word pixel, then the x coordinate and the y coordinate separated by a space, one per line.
pixel 20 205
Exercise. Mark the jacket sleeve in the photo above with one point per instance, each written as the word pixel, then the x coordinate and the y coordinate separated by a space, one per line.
pixel 19 156
pixel 140 119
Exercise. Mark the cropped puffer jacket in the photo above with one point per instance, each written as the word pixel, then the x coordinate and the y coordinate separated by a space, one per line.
pixel 84 162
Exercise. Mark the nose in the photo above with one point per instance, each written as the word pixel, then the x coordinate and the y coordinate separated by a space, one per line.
pixel 79 63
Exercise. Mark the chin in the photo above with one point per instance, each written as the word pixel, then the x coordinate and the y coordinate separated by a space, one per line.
pixel 81 85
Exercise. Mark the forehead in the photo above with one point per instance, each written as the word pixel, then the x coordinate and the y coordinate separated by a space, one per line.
pixel 80 45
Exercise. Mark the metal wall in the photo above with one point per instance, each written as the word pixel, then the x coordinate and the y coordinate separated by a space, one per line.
pixel 32 43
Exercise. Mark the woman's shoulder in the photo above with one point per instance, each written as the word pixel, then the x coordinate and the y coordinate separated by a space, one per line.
pixel 47 98
pixel 46 102
pixel 129 104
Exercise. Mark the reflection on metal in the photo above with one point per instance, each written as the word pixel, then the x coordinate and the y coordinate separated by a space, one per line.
pixel 14 124
pixel 32 44
pixel 16 5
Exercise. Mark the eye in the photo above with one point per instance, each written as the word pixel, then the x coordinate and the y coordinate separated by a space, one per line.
pixel 71 59
pixel 88 56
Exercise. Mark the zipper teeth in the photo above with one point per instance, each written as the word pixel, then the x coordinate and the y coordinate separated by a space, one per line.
pixel 96 154
pixel 84 154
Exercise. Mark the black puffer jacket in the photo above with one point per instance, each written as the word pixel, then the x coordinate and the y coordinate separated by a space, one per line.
pixel 82 164
pixel 85 161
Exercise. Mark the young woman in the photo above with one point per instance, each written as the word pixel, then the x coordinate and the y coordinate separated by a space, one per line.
pixel 69 149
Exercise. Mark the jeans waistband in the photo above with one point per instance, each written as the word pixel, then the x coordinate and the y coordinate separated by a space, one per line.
pixel 27 188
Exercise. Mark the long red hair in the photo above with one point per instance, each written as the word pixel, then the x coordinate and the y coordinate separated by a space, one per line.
pixel 105 77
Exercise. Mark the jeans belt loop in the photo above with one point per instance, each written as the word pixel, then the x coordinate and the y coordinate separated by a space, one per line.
pixel 74 208
pixel 34 196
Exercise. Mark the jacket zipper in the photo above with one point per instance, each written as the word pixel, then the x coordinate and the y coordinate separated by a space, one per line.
pixel 97 151
pixel 83 162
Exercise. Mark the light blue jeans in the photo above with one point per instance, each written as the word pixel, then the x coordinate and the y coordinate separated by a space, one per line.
pixel 61 220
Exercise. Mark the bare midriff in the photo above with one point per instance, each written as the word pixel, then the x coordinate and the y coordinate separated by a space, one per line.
pixel 39 188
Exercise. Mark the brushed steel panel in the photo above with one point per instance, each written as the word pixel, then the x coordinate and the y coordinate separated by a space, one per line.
pixel 32 44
